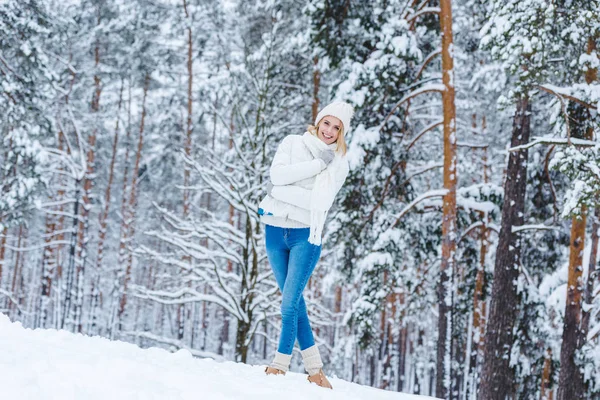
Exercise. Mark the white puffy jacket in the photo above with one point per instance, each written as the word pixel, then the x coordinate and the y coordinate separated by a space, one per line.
pixel 293 174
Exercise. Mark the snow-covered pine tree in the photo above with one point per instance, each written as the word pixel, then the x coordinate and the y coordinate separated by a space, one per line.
pixel 517 36
pixel 26 87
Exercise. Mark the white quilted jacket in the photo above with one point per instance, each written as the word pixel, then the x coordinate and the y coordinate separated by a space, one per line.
pixel 293 174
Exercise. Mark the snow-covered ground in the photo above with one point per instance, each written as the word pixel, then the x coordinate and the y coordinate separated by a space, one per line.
pixel 49 364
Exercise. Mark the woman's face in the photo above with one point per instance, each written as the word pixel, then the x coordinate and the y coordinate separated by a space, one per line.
pixel 329 129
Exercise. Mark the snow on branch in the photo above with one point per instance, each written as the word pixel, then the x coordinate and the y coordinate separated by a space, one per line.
pixel 554 141
pixel 188 295
pixel 436 87
pixel 424 131
pixel 466 203
pixel 424 196
pixel 37 247
pixel 470 229
pixel 593 332
pixel 472 145
pixel 428 59
pixel 422 170
pixel 538 227
pixel 564 92
pixel 16 303
pixel 388 181
pixel 425 10
pixel 11 69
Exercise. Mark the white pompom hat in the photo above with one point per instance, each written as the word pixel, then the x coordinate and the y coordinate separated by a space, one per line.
pixel 339 109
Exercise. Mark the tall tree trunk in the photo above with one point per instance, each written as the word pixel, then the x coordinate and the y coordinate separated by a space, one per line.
pixel 443 365
pixel 477 334
pixel 60 196
pixel 14 291
pixel 183 311
pixel 125 217
pixel 3 226
pixel 592 273
pixel 497 375
pixel 133 202
pixel 103 220
pixel 570 382
pixel 88 182
pixel 388 343
pixel 48 272
pixel 188 136
pixel 546 375
pixel 316 85
pixel 4 234
pixel 68 285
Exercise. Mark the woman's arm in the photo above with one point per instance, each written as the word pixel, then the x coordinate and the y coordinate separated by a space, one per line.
pixel 282 172
pixel 299 196
pixel 292 194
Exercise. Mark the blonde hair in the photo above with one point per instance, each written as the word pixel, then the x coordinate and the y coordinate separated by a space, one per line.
pixel 340 141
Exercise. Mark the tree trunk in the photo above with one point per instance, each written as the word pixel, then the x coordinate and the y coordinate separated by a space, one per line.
pixel 188 136
pixel 125 217
pixel 88 182
pixel 48 272
pixel 14 291
pixel 546 375
pixel 592 274
pixel 133 202
pixel 316 85
pixel 4 227
pixel 497 375
pixel 69 287
pixel 241 346
pixel 103 221
pixel 477 334
pixel 183 311
pixel 3 250
pixel 60 195
pixel 570 382
pixel 443 367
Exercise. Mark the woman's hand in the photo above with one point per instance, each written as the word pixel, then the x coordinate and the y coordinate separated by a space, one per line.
pixel 327 157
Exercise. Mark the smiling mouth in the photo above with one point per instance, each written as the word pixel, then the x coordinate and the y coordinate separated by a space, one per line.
pixel 327 137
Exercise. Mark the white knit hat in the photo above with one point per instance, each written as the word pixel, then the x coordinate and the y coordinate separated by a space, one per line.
pixel 339 109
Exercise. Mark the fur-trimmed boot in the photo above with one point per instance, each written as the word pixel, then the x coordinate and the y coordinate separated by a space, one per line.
pixel 313 365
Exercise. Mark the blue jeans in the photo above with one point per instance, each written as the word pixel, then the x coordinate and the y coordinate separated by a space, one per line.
pixel 293 260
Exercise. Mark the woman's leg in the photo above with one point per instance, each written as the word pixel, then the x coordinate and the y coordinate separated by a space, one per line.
pixel 279 264
pixel 304 335
pixel 278 254
pixel 303 258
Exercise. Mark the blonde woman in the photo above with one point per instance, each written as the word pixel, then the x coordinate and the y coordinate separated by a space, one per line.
pixel 306 174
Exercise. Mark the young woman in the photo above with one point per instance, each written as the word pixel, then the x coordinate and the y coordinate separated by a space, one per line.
pixel 306 174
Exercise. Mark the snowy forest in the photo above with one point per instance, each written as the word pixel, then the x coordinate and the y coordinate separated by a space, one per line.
pixel 460 259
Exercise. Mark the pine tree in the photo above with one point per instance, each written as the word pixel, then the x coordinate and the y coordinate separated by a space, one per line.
pixel 524 60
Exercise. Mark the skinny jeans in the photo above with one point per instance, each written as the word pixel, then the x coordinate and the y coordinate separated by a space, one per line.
pixel 292 259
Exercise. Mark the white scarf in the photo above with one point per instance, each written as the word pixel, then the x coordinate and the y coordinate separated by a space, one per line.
pixel 324 191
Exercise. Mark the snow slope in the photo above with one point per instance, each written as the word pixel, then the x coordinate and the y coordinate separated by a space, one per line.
pixel 49 364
